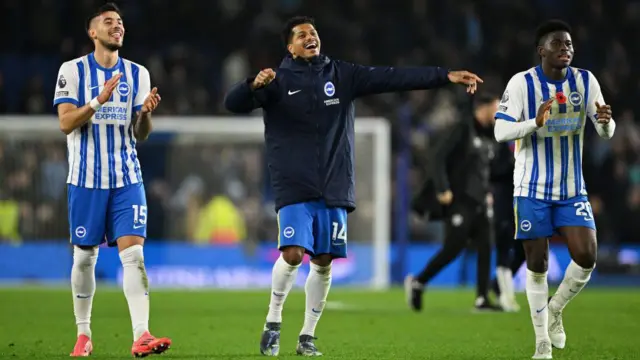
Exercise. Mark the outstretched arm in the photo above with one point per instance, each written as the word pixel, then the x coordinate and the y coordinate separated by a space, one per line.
pixel 252 93
pixel 368 80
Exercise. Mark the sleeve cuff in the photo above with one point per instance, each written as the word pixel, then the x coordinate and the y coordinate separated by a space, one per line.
pixel 64 100
pixel 137 108
pixel 504 116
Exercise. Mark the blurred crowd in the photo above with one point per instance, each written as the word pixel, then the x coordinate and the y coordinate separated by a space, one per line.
pixel 195 50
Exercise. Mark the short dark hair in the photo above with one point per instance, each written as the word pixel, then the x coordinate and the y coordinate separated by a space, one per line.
pixel 483 98
pixel 293 22
pixel 550 27
pixel 103 9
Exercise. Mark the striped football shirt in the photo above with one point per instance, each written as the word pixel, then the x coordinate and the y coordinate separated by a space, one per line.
pixel 549 161
pixel 102 152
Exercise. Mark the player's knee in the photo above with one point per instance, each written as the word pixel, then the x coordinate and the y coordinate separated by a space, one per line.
pixel 323 260
pixel 586 259
pixel 537 265
pixel 537 260
pixel 132 256
pixel 293 255
pixel 85 256
pixel 128 241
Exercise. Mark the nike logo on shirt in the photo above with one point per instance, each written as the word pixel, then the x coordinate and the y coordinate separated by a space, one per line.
pixel 293 92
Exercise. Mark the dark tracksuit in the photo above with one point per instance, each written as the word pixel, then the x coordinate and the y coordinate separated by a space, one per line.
pixel 309 123
pixel 504 226
pixel 459 162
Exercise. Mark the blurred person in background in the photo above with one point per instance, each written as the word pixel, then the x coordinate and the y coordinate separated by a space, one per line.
pixel 457 190
pixel 510 254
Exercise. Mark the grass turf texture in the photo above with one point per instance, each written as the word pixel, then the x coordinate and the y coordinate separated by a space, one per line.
pixel 39 324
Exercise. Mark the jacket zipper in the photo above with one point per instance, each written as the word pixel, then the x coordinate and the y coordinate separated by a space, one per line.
pixel 314 99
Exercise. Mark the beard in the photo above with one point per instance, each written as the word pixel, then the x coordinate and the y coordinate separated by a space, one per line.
pixel 110 46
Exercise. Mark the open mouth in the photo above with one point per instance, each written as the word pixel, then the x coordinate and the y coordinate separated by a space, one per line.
pixel 564 57
pixel 117 35
pixel 312 45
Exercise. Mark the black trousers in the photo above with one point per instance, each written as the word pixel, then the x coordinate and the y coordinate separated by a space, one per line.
pixel 510 252
pixel 467 223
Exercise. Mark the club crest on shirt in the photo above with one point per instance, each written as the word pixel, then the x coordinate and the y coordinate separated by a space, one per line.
pixel 329 89
pixel 123 89
pixel 575 98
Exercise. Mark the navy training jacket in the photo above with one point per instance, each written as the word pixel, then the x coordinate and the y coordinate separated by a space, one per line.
pixel 309 122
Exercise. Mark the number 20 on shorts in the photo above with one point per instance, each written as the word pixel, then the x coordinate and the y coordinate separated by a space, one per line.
pixel 583 209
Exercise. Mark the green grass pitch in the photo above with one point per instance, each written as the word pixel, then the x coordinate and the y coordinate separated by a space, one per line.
pixel 39 324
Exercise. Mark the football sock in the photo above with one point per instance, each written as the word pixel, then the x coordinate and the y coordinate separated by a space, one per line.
pixel 575 278
pixel 505 281
pixel 136 288
pixel 316 289
pixel 537 295
pixel 83 286
pixel 282 278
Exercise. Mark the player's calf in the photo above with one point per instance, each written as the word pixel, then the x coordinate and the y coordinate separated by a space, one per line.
pixel 136 288
pixel 83 286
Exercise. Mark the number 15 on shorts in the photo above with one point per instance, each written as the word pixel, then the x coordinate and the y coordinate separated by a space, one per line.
pixel 139 216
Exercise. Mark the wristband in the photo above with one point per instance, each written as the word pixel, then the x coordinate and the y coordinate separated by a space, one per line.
pixel 95 104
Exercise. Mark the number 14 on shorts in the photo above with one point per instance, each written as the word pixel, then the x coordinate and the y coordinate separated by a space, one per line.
pixel 339 231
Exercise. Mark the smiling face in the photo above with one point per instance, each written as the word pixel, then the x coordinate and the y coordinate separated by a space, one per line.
pixel 304 41
pixel 556 49
pixel 107 30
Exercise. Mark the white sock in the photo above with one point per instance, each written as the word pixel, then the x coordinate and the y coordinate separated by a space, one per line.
pixel 282 278
pixel 505 282
pixel 83 287
pixel 575 278
pixel 316 288
pixel 537 295
pixel 136 288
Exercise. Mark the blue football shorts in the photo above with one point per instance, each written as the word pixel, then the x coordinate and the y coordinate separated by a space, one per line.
pixel 104 215
pixel 315 227
pixel 535 218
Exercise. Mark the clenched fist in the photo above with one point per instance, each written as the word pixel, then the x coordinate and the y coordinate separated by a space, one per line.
pixel 264 78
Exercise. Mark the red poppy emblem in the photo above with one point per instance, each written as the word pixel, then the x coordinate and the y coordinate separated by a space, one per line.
pixel 561 98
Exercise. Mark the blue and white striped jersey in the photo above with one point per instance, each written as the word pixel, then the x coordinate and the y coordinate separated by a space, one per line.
pixel 102 153
pixel 549 161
